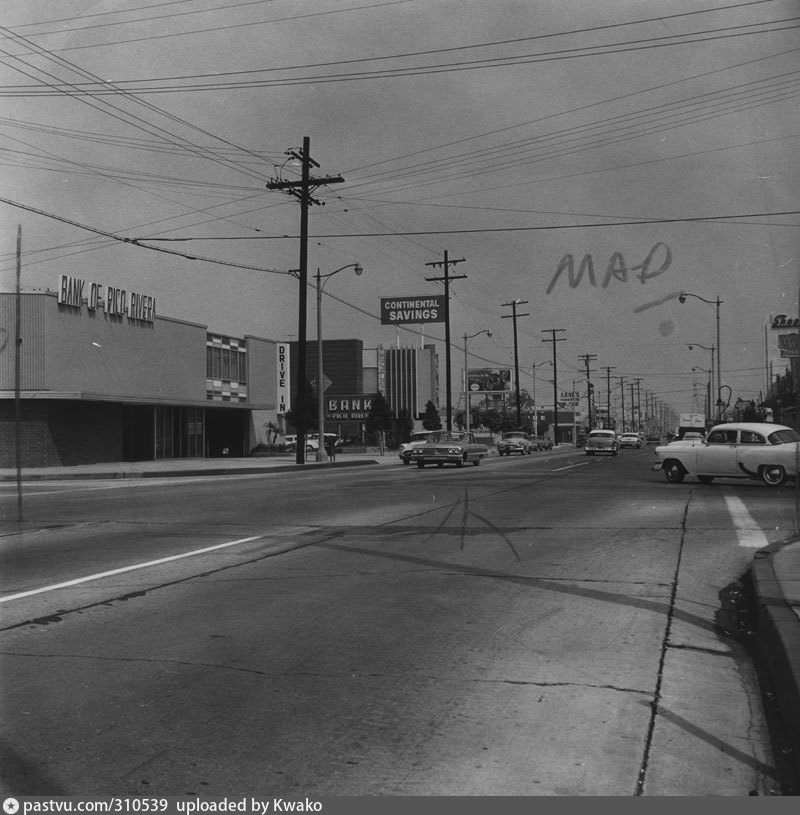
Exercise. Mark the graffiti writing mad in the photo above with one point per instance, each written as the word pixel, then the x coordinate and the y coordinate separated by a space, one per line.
pixel 616 269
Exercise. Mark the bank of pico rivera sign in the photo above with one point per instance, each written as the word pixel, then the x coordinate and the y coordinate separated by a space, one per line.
pixel 113 300
pixel 427 308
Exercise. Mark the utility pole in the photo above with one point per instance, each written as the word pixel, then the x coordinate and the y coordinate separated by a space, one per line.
pixel 622 391
pixel 302 191
pixel 638 405
pixel 446 280
pixel 633 410
pixel 609 369
pixel 554 340
pixel 587 358
pixel 514 315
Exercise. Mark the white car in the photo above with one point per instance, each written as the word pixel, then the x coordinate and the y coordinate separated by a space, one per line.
pixel 630 440
pixel 752 450
pixel 515 441
pixel 418 438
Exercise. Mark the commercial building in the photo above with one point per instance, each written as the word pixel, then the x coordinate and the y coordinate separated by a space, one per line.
pixel 98 375
pixel 353 376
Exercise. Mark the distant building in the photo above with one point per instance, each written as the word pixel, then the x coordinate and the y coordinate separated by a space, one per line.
pixel 352 376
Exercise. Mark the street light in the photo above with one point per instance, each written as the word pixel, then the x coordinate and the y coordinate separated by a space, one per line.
pixel 717 303
pixel 466 380
pixel 321 280
pixel 711 373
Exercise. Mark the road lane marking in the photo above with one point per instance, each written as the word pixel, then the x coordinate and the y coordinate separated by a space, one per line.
pixel 747 530
pixel 78 580
pixel 570 466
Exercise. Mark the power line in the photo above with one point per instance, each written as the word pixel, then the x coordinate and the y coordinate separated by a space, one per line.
pixel 498 229
pixel 181 83
pixel 136 241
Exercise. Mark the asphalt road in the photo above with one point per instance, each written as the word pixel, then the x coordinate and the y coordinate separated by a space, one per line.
pixel 547 625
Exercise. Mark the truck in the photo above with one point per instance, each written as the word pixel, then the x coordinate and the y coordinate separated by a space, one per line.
pixel 691 423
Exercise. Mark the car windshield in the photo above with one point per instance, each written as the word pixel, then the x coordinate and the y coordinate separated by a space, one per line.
pixel 514 435
pixel 602 433
pixel 421 436
pixel 783 436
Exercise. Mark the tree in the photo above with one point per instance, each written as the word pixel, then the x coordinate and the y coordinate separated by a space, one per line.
pixel 431 420
pixel 402 427
pixel 311 411
pixel 380 417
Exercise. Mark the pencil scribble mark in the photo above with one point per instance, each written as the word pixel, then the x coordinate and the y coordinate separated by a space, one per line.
pixel 466 513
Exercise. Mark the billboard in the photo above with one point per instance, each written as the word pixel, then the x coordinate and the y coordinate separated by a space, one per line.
pixel 428 308
pixel 488 380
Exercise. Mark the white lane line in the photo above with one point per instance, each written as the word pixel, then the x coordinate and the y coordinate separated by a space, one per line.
pixel 570 466
pixel 78 580
pixel 747 530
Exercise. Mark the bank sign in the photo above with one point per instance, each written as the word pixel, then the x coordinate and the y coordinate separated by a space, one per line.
pixel 115 301
pixel 400 310
pixel 348 408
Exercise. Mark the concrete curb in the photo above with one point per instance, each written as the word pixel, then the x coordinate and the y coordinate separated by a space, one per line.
pixel 778 643
pixel 189 472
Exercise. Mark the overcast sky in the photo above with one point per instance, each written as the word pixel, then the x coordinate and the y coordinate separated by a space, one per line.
pixel 509 134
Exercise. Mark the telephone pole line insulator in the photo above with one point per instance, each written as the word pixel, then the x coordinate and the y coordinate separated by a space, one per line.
pixel 446 263
pixel 513 304
pixel 301 189
pixel 587 358
pixel 554 340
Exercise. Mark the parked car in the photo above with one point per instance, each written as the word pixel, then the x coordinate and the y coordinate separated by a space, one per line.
pixel 418 438
pixel 630 440
pixel 541 443
pixel 515 441
pixel 312 445
pixel 654 439
pixel 752 450
pixel 449 447
pixel 580 440
pixel 602 441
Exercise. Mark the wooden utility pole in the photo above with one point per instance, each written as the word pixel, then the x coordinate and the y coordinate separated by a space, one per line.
pixel 554 340
pixel 302 191
pixel 609 369
pixel 446 280
pixel 589 394
pixel 514 315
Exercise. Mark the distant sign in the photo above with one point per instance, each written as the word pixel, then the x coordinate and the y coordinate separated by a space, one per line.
pixel 782 321
pixel 428 308
pixel 349 408
pixel 489 380
pixel 284 402
pixel 789 345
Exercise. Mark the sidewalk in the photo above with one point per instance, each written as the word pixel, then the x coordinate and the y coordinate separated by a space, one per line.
pixel 775 570
pixel 776 580
pixel 195 467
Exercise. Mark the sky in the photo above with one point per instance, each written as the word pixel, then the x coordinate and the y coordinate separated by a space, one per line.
pixel 651 145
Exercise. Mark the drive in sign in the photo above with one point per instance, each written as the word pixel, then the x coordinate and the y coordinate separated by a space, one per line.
pixel 428 308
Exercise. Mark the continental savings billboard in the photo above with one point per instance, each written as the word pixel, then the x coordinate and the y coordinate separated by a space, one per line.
pixel 428 308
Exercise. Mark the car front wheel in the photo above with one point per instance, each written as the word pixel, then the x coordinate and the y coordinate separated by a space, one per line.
pixel 773 475
pixel 674 471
